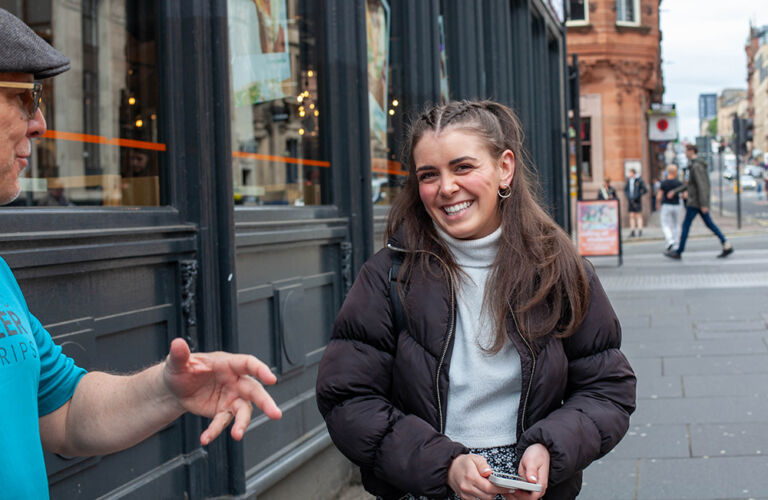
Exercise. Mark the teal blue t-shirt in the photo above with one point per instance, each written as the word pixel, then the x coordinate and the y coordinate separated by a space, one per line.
pixel 35 379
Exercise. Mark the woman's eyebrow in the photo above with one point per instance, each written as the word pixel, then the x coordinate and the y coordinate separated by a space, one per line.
pixel 463 158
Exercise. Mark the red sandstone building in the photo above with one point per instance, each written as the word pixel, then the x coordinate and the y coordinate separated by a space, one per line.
pixel 618 46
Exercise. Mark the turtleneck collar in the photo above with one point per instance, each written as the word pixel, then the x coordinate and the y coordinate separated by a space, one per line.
pixel 473 253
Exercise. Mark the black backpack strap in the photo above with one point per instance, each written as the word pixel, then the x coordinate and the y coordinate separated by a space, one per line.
pixel 394 295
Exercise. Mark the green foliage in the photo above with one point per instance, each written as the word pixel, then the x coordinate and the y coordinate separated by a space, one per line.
pixel 712 127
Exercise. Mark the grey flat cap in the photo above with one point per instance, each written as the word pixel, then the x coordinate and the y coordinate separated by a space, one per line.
pixel 22 51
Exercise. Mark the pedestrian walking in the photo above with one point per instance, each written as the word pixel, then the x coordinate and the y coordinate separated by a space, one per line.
pixel 606 191
pixel 428 381
pixel 697 203
pixel 671 207
pixel 634 190
pixel 49 402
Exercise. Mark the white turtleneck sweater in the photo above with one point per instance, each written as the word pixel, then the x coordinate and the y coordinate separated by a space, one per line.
pixel 484 390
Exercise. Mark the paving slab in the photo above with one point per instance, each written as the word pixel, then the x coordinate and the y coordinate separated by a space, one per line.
pixel 649 387
pixel 730 326
pixel 701 478
pixel 746 439
pixel 614 479
pixel 664 347
pixel 713 365
pixel 701 410
pixel 646 367
pixel 740 334
pixel 697 386
pixel 684 332
pixel 653 441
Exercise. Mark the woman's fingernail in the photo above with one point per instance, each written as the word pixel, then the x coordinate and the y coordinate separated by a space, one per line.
pixel 532 478
pixel 487 469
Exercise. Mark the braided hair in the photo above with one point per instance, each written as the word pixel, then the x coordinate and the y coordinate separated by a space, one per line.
pixel 537 275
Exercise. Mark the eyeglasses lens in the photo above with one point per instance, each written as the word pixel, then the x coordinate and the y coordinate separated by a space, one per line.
pixel 31 99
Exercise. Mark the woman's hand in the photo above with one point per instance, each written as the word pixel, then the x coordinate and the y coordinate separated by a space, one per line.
pixel 534 467
pixel 467 478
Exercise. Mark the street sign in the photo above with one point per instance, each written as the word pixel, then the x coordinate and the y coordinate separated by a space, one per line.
pixel 662 127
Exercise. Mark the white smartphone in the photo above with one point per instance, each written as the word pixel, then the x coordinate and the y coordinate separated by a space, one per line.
pixel 513 481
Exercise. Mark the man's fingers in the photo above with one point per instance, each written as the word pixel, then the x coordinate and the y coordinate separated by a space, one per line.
pixel 252 391
pixel 178 354
pixel 243 413
pixel 245 364
pixel 220 422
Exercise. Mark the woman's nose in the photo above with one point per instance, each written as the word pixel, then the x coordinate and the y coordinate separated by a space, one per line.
pixel 448 185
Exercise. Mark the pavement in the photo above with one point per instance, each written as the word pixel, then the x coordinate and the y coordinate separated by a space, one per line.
pixel 696 334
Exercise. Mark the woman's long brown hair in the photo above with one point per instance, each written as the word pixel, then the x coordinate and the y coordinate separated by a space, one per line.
pixel 537 276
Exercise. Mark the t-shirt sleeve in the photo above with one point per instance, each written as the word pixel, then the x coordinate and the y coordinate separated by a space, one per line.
pixel 59 375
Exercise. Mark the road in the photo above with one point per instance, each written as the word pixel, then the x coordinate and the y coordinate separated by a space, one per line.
pixel 751 206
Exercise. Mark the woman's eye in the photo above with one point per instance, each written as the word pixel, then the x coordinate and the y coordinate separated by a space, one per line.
pixel 463 167
pixel 426 176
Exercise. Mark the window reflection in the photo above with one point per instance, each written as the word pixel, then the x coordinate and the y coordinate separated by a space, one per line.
pixel 102 146
pixel 276 111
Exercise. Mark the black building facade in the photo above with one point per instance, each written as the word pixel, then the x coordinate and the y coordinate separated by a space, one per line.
pixel 219 170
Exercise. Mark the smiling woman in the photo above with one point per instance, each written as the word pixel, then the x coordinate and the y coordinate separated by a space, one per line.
pixel 476 377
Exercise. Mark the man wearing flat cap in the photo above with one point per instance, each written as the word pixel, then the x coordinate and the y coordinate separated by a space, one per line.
pixel 49 402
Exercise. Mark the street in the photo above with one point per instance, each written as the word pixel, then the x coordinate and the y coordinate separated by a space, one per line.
pixel 695 332
pixel 752 207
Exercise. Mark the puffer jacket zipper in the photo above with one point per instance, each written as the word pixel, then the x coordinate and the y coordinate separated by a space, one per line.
pixel 533 370
pixel 449 334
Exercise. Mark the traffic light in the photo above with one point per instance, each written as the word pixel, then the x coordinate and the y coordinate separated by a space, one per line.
pixel 749 130
pixel 744 129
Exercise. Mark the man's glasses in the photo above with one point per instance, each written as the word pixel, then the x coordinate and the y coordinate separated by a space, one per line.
pixel 30 100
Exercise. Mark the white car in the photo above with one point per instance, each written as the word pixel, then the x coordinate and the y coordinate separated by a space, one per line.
pixel 747 182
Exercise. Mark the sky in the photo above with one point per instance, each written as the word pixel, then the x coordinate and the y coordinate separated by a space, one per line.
pixel 702 51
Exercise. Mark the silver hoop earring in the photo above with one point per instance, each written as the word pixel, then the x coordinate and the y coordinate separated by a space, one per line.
pixel 504 192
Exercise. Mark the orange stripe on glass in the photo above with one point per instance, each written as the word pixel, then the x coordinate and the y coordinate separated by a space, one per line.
pixel 98 139
pixel 382 166
pixel 282 159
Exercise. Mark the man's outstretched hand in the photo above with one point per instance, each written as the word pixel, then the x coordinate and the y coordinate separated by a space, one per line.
pixel 220 386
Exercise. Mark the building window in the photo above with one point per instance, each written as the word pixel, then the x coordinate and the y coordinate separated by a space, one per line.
pixel 578 12
pixel 628 12
pixel 277 153
pixel 103 146
pixel 586 148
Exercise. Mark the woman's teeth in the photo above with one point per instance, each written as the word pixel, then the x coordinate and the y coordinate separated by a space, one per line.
pixel 454 209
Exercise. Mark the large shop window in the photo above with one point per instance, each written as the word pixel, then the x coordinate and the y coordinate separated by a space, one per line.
pixel 103 145
pixel 388 120
pixel 276 114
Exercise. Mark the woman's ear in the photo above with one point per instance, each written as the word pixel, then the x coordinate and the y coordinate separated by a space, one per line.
pixel 507 167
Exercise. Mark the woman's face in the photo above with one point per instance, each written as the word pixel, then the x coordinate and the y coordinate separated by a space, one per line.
pixel 459 182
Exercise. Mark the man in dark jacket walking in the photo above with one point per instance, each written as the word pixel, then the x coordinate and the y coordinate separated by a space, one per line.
pixel 697 203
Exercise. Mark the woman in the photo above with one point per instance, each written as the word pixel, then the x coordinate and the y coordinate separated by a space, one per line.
pixel 606 191
pixel 507 358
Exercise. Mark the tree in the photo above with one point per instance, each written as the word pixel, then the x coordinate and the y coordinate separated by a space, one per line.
pixel 712 127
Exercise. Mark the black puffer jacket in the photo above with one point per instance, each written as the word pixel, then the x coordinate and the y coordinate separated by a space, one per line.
pixel 382 393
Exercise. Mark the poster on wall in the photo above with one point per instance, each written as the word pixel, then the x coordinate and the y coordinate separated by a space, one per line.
pixel 258 44
pixel 597 227
pixel 377 31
